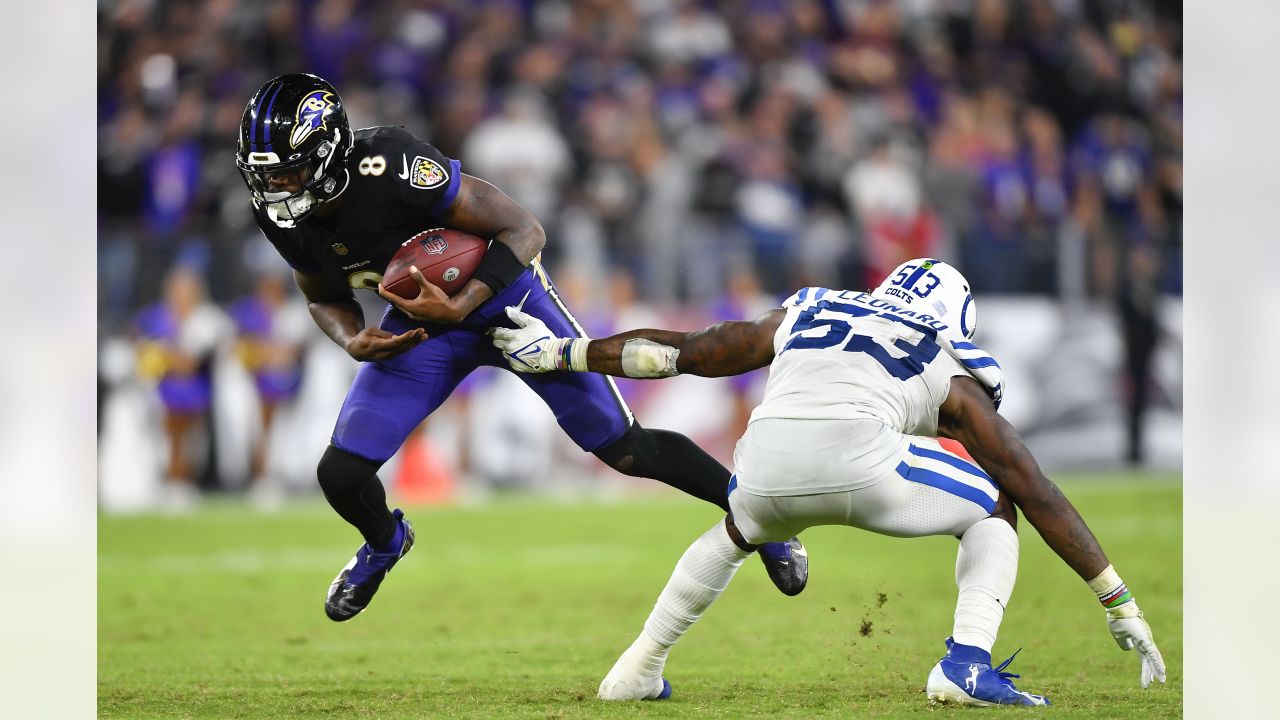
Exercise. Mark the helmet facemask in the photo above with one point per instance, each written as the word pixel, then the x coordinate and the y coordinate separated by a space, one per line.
pixel 323 178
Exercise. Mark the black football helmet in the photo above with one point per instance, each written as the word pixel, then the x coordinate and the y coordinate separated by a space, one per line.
pixel 295 122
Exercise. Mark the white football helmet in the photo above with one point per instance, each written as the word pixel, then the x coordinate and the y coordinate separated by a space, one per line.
pixel 934 288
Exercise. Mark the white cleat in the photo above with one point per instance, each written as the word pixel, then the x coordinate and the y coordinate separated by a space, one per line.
pixel 941 690
pixel 620 686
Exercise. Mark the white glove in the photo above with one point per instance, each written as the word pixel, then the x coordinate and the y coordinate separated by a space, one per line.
pixel 529 348
pixel 1131 631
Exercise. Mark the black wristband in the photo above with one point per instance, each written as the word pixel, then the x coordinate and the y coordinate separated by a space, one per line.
pixel 499 268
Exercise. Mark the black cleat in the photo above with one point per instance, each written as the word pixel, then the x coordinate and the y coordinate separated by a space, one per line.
pixel 355 586
pixel 787 564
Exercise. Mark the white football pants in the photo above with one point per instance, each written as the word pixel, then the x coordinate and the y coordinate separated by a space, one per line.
pixel 794 474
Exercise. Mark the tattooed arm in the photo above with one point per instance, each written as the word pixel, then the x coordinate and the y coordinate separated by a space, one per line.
pixel 727 348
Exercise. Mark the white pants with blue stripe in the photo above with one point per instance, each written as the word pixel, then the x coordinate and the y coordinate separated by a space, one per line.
pixel 793 474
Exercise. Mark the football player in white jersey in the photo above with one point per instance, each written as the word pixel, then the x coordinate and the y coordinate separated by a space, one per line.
pixel 859 386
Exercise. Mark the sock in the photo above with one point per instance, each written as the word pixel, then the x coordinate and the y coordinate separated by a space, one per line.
pixel 986 568
pixel 397 539
pixel 646 657
pixel 704 571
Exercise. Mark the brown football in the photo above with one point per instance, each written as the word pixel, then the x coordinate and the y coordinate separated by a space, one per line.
pixel 447 258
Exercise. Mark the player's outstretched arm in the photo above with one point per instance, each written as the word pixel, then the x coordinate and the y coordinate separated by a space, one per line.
pixel 727 348
pixel 482 210
pixel 969 416
pixel 339 316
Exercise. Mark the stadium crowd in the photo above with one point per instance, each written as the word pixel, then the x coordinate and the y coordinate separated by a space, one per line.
pixel 676 151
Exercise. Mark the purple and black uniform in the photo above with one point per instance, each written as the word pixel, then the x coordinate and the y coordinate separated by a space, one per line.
pixel 400 186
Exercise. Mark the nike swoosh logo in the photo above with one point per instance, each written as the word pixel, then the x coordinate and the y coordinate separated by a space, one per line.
pixel 404 167
pixel 532 349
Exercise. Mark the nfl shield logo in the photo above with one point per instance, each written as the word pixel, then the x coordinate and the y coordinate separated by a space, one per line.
pixel 434 244
pixel 339 248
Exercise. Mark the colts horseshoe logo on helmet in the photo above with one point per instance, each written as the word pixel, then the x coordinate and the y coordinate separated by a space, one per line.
pixel 312 112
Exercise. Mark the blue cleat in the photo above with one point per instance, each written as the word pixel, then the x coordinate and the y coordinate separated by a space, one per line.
pixel 787 564
pixel 353 589
pixel 965 676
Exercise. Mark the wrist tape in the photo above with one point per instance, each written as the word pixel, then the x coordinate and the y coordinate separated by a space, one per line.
pixel 572 355
pixel 647 359
pixel 1110 589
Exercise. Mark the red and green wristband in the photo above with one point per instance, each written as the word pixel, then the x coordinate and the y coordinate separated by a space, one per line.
pixel 1110 589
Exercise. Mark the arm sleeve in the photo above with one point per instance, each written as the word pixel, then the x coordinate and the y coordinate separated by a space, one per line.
pixel 427 179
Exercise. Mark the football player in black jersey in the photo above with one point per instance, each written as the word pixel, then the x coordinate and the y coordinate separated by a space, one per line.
pixel 337 204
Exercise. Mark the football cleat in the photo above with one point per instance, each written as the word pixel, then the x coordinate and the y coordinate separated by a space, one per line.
pixel 353 589
pixel 616 687
pixel 965 676
pixel 787 564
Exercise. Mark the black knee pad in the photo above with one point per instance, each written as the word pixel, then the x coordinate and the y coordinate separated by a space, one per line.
pixel 341 473
pixel 632 454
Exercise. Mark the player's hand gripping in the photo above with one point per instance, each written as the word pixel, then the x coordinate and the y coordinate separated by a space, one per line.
pixel 431 305
pixel 1131 631
pixel 530 347
pixel 378 344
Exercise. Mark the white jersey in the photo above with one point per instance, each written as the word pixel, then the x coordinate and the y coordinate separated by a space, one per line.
pixel 851 406
pixel 847 355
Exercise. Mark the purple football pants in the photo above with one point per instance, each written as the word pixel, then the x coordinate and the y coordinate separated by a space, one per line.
pixel 389 398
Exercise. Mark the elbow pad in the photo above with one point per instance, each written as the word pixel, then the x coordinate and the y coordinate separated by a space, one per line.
pixel 648 359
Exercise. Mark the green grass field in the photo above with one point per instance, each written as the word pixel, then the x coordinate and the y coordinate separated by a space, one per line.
pixel 518 609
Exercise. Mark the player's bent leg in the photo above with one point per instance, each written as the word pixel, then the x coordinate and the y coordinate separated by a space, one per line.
pixel 702 573
pixel 385 403
pixel 932 492
pixel 986 568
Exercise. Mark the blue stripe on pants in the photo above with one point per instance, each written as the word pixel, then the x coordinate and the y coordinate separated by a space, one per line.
pixel 947 485
pixel 953 461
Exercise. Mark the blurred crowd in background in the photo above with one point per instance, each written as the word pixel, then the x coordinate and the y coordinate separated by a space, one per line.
pixel 695 160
